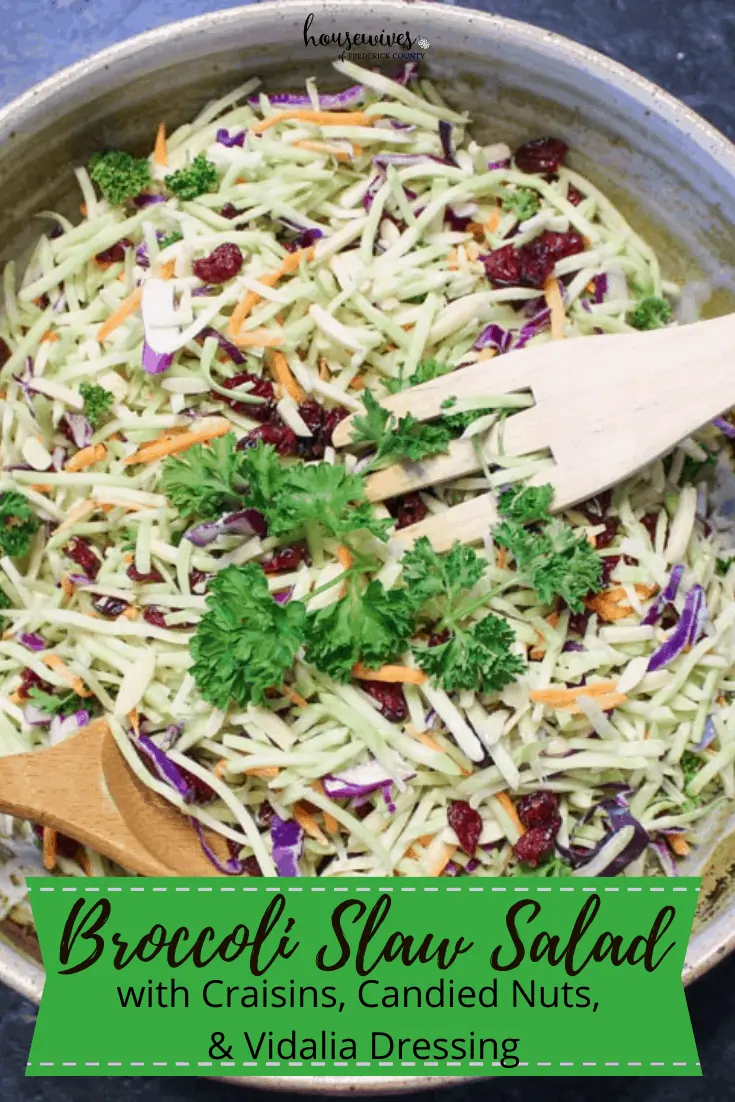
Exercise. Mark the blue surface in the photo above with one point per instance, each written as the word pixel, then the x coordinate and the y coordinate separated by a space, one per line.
pixel 688 47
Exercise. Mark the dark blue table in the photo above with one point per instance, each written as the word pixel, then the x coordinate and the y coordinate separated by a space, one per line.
pixel 688 47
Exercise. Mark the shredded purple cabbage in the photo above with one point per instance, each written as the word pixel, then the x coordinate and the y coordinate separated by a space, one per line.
pixel 328 102
pixel 600 282
pixel 165 768
pixel 686 632
pixel 618 817
pixel 230 140
pixel 666 596
pixel 246 522
pixel 445 137
pixel 80 429
pixel 155 363
pixel 233 866
pixel 227 346
pixel 494 336
pixel 493 165
pixel 708 735
pixel 146 200
pixel 724 426
pixel 287 839
pixel 32 641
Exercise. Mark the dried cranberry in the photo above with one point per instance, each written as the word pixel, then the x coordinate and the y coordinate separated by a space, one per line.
pixel 535 844
pixel 65 846
pixel 532 264
pixel 540 808
pixel 390 698
pixel 154 616
pixel 203 792
pixel 650 522
pixel 541 155
pixel 80 551
pixel 407 510
pixel 287 558
pixel 264 814
pixel 596 508
pixel 361 811
pixel 261 388
pixel 196 578
pixel 609 563
pixel 115 253
pixel 440 637
pixel 111 607
pixel 466 824
pixel 229 210
pixel 578 622
pixel 281 437
pixel 574 195
pixel 135 575
pixel 5 353
pixel 222 264
pixel 30 680
pixel 608 534
pixel 251 867
pixel 332 418
pixel 322 423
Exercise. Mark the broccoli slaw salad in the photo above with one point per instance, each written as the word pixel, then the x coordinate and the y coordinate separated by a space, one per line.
pixel 189 562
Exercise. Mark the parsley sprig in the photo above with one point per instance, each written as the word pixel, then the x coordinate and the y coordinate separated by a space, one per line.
pixel 552 558
pixel 394 439
pixel 246 641
pixel 18 523
pixel 475 656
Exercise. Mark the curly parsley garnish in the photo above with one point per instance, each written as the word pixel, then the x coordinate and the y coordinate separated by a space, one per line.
pixel 394 439
pixel 18 523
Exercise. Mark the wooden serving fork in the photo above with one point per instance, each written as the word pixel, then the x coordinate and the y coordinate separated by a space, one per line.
pixel 605 408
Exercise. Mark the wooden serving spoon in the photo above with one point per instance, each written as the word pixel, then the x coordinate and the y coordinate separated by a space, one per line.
pixel 84 788
pixel 605 408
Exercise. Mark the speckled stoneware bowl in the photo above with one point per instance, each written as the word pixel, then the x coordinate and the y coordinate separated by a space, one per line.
pixel 671 172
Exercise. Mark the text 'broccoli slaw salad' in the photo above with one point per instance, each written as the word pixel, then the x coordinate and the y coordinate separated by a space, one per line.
pixel 186 559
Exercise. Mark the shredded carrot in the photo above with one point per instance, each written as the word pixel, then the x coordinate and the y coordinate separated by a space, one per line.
pixel 323 371
pixel 452 260
pixel 390 674
pixel 607 702
pixel 493 220
pixel 678 844
pixel 590 288
pixel 67 586
pixel 83 860
pixel 220 768
pixel 440 862
pixel 358 383
pixel 131 613
pixel 324 147
pixel 305 114
pixel 3 395
pixel 486 354
pixel 430 742
pixel 50 837
pixel 134 719
pixel 555 303
pixel 559 698
pixel 171 445
pixel 425 839
pixel 15 698
pixel 103 265
pixel 344 557
pixel 160 153
pixel 294 697
pixel 41 487
pixel 73 680
pixel 83 209
pixel 267 771
pixel 308 824
pixel 502 558
pixel 611 604
pixel 540 650
pixel 258 338
pixel 49 335
pixel 283 374
pixel 127 307
pixel 86 457
pixel 166 270
pixel 477 230
pixel 510 809
pixel 250 298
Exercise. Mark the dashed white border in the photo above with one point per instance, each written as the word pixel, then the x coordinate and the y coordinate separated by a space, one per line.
pixel 362 1064
pixel 336 888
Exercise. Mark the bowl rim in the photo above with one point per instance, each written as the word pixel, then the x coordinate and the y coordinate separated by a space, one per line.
pixel 18 971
